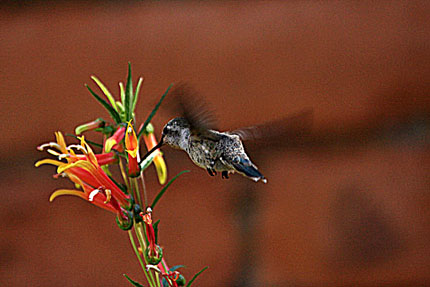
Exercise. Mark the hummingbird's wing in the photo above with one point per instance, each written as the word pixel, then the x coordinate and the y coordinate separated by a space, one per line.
pixel 286 131
pixel 191 106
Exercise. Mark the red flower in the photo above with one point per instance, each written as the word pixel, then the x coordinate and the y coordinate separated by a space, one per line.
pixel 153 252
pixel 132 148
pixel 86 172
pixel 114 141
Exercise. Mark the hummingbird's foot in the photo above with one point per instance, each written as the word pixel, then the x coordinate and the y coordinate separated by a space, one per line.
pixel 211 172
pixel 224 174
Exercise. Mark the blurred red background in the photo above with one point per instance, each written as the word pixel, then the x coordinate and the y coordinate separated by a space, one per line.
pixel 347 206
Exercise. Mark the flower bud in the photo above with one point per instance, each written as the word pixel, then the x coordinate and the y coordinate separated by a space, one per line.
pixel 97 123
pixel 156 258
pixel 126 220
pixel 181 280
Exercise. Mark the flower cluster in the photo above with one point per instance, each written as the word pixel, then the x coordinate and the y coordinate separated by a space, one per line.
pixel 90 172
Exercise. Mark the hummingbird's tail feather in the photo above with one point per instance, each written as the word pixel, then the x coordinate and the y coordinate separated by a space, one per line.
pixel 250 171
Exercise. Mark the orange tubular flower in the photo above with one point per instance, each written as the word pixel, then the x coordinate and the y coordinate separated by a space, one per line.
pixel 132 148
pixel 150 142
pixel 153 253
pixel 86 172
pixel 97 123
pixel 114 141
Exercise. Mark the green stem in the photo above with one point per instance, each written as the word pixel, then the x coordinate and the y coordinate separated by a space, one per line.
pixel 124 176
pixel 165 266
pixel 136 189
pixel 145 194
pixel 157 276
pixel 142 264
pixel 140 233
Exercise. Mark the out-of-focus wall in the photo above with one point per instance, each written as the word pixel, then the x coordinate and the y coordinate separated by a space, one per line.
pixel 347 205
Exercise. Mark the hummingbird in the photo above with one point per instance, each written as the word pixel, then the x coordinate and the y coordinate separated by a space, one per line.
pixel 194 132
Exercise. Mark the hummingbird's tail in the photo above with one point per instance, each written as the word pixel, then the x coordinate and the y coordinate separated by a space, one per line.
pixel 250 171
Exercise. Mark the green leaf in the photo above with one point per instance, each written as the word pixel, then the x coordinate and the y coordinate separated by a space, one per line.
pixel 155 226
pixel 136 94
pixel 113 113
pixel 160 194
pixel 121 111
pixel 106 130
pixel 195 276
pixel 153 112
pixel 105 91
pixel 132 281
pixel 122 90
pixel 128 95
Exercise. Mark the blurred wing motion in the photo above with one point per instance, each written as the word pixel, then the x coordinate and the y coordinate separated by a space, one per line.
pixel 187 103
pixel 288 131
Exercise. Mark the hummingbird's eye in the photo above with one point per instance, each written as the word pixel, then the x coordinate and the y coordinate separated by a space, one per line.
pixel 165 130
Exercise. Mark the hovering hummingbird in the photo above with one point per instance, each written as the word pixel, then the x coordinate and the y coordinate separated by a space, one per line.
pixel 195 133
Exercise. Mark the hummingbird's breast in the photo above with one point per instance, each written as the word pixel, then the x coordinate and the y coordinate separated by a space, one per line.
pixel 203 152
pixel 215 154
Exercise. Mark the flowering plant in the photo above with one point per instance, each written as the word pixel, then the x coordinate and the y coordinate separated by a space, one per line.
pixel 127 197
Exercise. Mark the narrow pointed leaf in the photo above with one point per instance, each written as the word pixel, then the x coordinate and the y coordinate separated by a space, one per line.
pixel 121 111
pixel 195 276
pixel 105 91
pixel 128 95
pixel 153 111
pixel 160 194
pixel 136 94
pixel 113 113
pixel 122 90
pixel 132 281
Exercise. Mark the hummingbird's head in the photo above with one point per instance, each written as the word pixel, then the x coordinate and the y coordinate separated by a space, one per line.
pixel 176 132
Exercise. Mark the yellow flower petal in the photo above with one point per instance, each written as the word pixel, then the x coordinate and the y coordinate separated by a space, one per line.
pixel 133 153
pixel 67 192
pixel 75 179
pixel 49 161
pixel 161 168
pixel 61 141
pixel 80 163
pixel 109 144
pixel 92 156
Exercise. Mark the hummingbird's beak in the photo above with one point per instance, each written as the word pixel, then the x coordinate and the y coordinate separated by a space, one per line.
pixel 160 143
